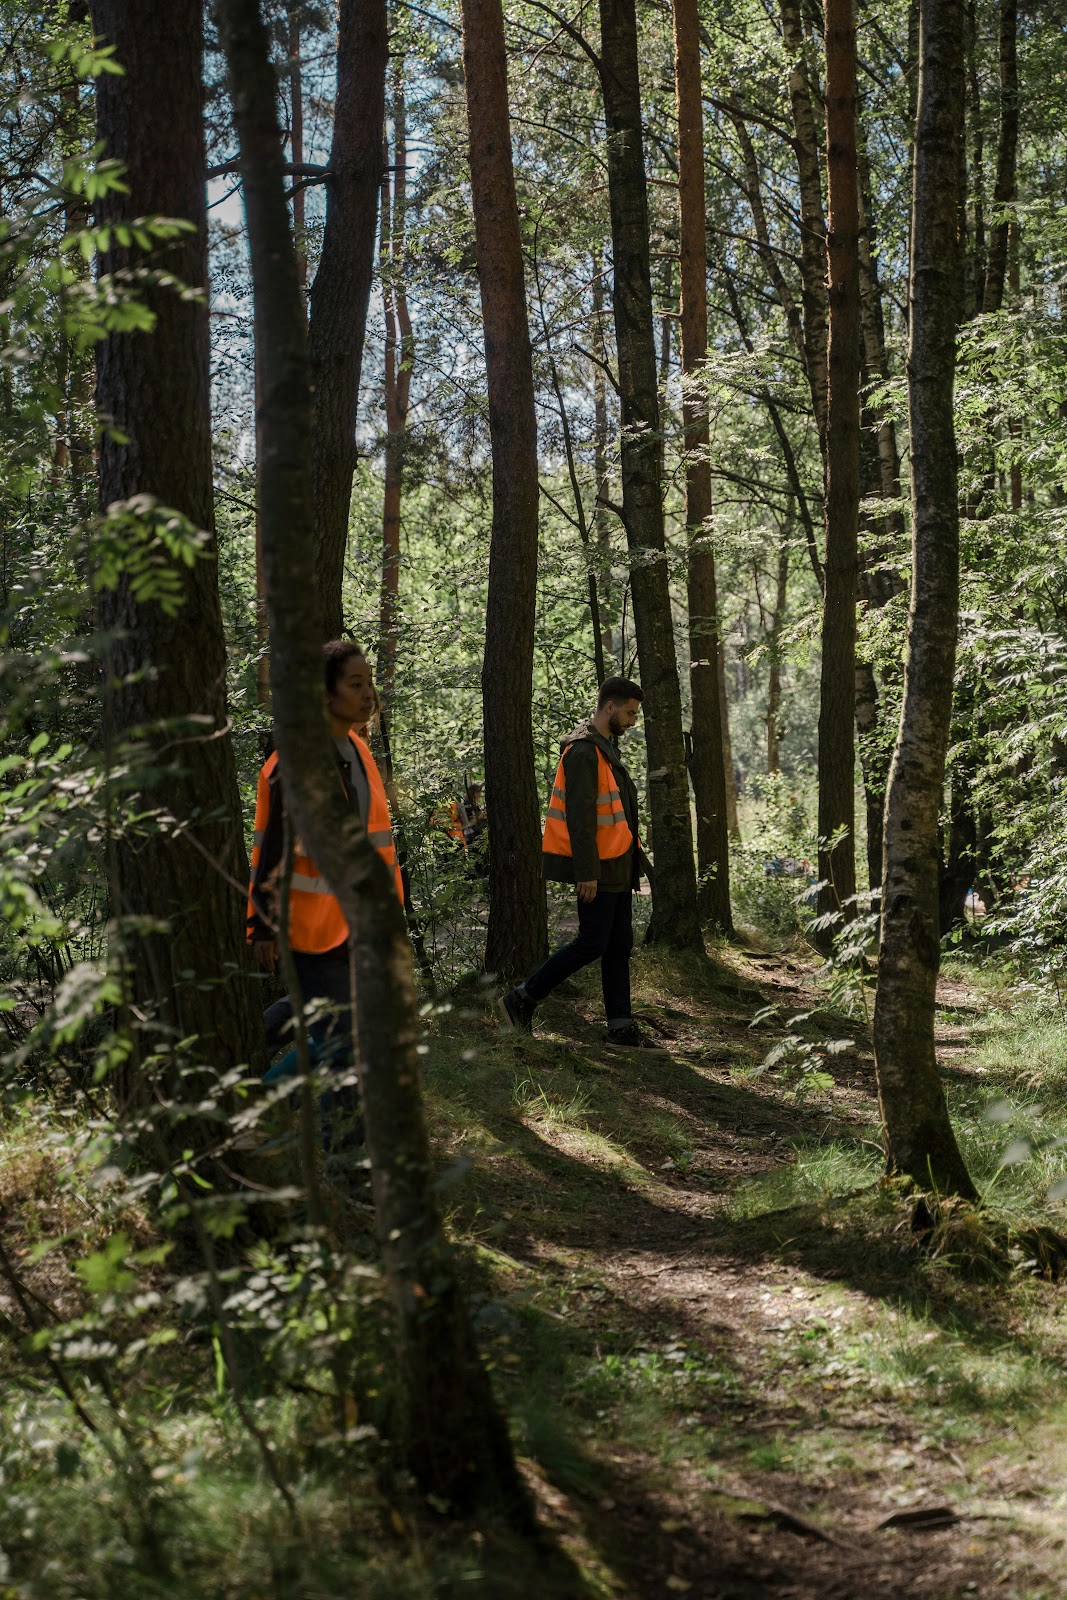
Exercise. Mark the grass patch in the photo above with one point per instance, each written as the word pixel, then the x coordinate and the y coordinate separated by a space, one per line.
pixel 818 1173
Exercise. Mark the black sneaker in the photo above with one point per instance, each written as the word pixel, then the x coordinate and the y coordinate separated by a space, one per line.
pixel 517 1010
pixel 632 1038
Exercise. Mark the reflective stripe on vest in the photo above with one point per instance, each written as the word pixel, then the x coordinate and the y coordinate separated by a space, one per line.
pixel 613 835
pixel 316 921
pixel 379 825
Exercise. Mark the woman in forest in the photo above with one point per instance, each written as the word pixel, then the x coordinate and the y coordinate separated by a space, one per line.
pixel 318 932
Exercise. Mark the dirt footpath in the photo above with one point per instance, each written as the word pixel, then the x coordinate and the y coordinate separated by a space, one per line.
pixel 769 1389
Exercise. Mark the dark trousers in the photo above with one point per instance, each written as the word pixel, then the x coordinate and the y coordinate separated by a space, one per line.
pixel 605 934
pixel 322 977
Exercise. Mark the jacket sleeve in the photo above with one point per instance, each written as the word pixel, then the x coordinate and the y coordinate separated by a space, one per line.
pixel 266 857
pixel 580 767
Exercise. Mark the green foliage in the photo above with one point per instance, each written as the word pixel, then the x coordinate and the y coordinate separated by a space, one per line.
pixel 772 868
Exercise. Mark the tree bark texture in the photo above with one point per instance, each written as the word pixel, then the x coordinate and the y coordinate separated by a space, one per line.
pixel 164 670
pixel 517 936
pixel 707 768
pixel 920 1142
pixel 732 823
pixel 455 1441
pixel 837 696
pixel 812 218
pixel 399 365
pixel 340 291
pixel 602 518
pixel 675 917
pixel 1004 189
pixel 973 264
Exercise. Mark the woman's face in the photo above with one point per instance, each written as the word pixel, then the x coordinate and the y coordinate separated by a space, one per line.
pixel 353 700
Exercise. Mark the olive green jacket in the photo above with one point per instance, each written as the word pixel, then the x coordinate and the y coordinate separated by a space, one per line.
pixel 580 767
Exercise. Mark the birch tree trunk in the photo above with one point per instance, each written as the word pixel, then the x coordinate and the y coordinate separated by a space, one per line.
pixel 518 934
pixel 675 917
pixel 707 769
pixel 920 1142
pixel 454 1438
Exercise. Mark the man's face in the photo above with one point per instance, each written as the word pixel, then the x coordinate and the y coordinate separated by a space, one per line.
pixel 621 718
pixel 352 700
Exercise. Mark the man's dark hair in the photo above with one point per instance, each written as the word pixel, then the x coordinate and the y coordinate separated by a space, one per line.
pixel 620 690
pixel 334 656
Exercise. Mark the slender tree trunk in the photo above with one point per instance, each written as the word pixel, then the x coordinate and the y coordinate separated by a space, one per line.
pixel 812 219
pixel 340 292
pixel 774 674
pixel 920 1142
pixel 707 768
pixel 601 515
pixel 837 698
pixel 517 935
pixel 166 674
pixel 878 580
pixel 974 269
pixel 456 1443
pixel 675 914
pixel 732 824
pixel 872 321
pixel 1004 190
pixel 399 365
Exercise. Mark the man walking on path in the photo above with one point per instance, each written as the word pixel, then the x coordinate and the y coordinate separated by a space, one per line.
pixel 591 840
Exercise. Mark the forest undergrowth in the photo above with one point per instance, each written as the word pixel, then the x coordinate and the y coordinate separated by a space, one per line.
pixel 731 1367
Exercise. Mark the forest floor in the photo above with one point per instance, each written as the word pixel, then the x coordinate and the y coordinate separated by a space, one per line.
pixel 734 1370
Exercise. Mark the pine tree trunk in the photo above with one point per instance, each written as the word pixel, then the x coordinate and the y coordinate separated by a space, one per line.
pixel 165 670
pixel 675 918
pixel 707 768
pixel 454 1438
pixel 517 936
pixel 837 698
pixel 340 292
pixel 920 1142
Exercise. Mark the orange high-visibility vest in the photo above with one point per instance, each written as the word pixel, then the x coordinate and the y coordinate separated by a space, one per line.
pixel 455 827
pixel 613 835
pixel 316 921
